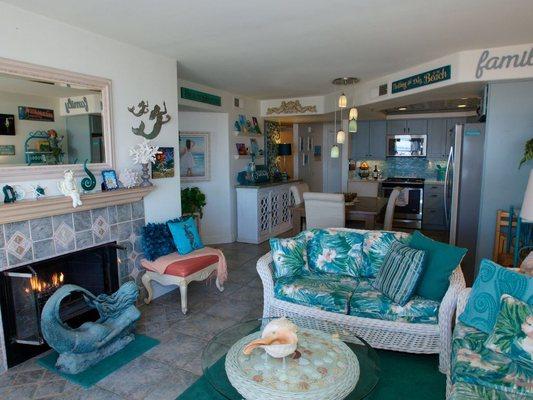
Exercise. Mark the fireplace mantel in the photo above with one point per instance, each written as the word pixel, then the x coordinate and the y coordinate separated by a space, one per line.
pixel 55 205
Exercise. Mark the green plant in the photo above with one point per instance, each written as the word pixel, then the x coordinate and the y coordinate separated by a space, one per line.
pixel 528 152
pixel 192 201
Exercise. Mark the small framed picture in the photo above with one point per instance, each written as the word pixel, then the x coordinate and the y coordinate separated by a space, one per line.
pixel 110 181
pixel 309 143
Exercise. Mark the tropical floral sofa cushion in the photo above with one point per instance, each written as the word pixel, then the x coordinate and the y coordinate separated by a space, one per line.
pixel 328 292
pixel 376 245
pixel 289 256
pixel 368 302
pixel 335 252
pixel 483 372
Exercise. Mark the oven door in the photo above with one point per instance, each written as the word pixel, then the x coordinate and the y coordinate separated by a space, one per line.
pixel 409 215
pixel 406 145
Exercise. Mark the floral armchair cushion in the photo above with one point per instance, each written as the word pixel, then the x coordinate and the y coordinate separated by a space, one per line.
pixel 376 245
pixel 328 292
pixel 513 331
pixel 478 369
pixel 335 252
pixel 368 302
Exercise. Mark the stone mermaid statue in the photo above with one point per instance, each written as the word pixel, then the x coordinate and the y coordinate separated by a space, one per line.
pixel 83 347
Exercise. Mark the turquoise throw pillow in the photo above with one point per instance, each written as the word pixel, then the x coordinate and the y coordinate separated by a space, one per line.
pixel 376 246
pixel 441 260
pixel 492 282
pixel 401 269
pixel 185 235
pixel 513 331
pixel 289 256
pixel 336 252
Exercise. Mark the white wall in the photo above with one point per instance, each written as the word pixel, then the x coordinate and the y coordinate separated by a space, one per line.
pixel 136 74
pixel 250 109
pixel 216 223
pixel 9 103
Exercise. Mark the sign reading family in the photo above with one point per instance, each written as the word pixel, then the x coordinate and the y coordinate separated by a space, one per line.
pixel 486 62
pixel 76 105
pixel 423 79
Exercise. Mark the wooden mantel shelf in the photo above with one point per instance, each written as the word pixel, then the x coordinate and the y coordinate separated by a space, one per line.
pixel 55 205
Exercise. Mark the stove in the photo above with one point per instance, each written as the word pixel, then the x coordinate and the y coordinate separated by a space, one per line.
pixel 408 215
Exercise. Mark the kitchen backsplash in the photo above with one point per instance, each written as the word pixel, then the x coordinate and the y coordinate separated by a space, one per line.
pixel 411 167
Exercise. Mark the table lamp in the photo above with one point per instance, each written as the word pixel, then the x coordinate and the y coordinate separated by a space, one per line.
pixel 284 150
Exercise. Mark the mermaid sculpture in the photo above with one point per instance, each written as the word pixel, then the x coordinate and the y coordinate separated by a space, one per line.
pixel 85 346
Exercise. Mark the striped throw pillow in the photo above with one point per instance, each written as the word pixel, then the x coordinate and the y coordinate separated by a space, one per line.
pixel 401 270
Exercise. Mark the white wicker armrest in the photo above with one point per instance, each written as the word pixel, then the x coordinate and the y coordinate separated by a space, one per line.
pixel 446 311
pixel 265 273
pixel 461 302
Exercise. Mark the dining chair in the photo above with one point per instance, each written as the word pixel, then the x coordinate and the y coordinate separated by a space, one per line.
pixel 298 191
pixel 389 212
pixel 324 210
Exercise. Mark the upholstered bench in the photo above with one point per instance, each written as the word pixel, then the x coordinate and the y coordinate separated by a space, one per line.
pixel 197 266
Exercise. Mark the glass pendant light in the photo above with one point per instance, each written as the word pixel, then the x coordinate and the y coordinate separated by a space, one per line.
pixel 352 126
pixel 341 136
pixel 343 101
pixel 353 113
pixel 352 117
pixel 335 151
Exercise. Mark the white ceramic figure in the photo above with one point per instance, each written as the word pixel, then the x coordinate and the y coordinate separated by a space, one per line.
pixel 278 339
pixel 69 188
pixel 129 178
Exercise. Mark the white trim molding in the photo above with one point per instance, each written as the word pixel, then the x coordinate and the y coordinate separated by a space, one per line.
pixel 47 74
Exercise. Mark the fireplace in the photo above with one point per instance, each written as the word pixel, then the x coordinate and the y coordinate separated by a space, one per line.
pixel 24 291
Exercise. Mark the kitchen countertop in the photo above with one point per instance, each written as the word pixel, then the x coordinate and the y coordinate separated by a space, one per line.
pixel 267 184
pixel 365 180
pixel 433 182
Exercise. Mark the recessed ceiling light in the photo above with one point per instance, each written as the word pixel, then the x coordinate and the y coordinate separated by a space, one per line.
pixel 461 106
pixel 402 108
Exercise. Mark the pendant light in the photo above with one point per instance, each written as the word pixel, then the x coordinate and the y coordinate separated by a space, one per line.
pixel 343 101
pixel 341 136
pixel 335 149
pixel 352 117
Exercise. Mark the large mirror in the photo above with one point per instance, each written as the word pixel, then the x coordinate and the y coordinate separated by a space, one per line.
pixel 51 120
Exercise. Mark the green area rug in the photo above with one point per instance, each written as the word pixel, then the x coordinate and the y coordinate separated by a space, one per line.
pixel 90 376
pixel 403 376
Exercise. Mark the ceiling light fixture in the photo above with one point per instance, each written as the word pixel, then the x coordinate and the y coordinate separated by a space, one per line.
pixel 461 106
pixel 343 100
pixel 402 108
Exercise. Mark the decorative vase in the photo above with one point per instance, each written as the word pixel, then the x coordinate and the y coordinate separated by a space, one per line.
pixel 145 176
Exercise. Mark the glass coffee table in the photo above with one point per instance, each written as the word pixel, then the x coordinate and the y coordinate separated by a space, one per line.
pixel 323 365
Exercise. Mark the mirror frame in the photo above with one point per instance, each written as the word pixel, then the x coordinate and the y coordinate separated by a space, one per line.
pixel 12 174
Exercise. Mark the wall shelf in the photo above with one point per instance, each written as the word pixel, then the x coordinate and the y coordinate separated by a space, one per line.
pixel 55 205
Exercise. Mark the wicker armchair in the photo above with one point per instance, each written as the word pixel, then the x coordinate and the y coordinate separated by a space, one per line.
pixel 381 334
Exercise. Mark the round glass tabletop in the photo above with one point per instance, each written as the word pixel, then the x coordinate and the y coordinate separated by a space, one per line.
pixel 214 359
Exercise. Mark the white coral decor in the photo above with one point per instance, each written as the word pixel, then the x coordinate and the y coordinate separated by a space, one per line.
pixel 129 178
pixel 143 153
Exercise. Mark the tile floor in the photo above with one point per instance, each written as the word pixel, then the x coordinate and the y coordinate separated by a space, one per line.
pixel 165 371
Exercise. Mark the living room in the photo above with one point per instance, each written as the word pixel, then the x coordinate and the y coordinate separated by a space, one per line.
pixel 254 200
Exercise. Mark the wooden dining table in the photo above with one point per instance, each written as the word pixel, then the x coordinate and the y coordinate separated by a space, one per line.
pixel 364 209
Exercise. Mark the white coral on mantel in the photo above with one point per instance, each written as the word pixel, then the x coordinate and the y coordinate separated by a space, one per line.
pixel 129 178
pixel 143 153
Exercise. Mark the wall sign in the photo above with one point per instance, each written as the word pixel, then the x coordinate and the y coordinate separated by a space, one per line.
pixel 423 79
pixel 7 150
pixel 201 97
pixel 507 61
pixel 76 105
pixel 36 114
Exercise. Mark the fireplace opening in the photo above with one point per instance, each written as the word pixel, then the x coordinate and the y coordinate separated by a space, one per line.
pixel 24 291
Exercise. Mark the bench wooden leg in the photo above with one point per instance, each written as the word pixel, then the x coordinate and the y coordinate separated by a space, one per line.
pixel 183 293
pixel 147 282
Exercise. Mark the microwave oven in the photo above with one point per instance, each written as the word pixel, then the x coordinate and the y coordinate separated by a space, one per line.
pixel 406 145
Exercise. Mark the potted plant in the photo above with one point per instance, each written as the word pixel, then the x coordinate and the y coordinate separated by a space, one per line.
pixel 192 202
pixel 528 152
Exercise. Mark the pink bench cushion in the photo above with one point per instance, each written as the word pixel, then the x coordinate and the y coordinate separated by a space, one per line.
pixel 187 267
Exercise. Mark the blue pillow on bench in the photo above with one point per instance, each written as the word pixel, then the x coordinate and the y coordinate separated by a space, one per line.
pixel 185 234
pixel 157 241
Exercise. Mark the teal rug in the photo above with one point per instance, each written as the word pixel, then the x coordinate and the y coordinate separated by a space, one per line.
pixel 403 376
pixel 90 376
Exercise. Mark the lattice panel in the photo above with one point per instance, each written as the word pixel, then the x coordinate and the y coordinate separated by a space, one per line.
pixel 275 209
pixel 264 214
pixel 285 203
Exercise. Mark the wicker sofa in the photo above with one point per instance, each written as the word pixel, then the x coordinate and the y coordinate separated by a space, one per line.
pixel 401 334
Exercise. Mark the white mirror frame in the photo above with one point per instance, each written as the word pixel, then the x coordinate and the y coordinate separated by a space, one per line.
pixel 41 172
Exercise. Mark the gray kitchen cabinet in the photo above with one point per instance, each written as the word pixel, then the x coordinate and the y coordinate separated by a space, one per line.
pixel 396 127
pixel 377 139
pixel 433 217
pixel 359 141
pixel 369 141
pixel 437 138
pixel 417 126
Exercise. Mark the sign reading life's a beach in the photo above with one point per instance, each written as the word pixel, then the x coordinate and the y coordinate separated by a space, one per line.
pixel 423 79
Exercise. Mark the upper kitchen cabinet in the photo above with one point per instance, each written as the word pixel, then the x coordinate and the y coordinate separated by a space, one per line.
pixel 407 127
pixel 437 138
pixel 369 141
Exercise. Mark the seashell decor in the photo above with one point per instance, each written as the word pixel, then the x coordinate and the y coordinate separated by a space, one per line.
pixel 278 339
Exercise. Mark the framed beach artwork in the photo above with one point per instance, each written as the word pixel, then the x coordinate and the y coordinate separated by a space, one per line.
pixel 194 156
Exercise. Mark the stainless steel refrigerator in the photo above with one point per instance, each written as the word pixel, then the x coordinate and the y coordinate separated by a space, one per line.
pixel 462 191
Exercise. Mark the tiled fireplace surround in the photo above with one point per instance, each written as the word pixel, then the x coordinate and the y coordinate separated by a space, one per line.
pixel 37 239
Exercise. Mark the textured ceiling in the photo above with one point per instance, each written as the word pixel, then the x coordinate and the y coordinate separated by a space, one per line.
pixel 269 49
